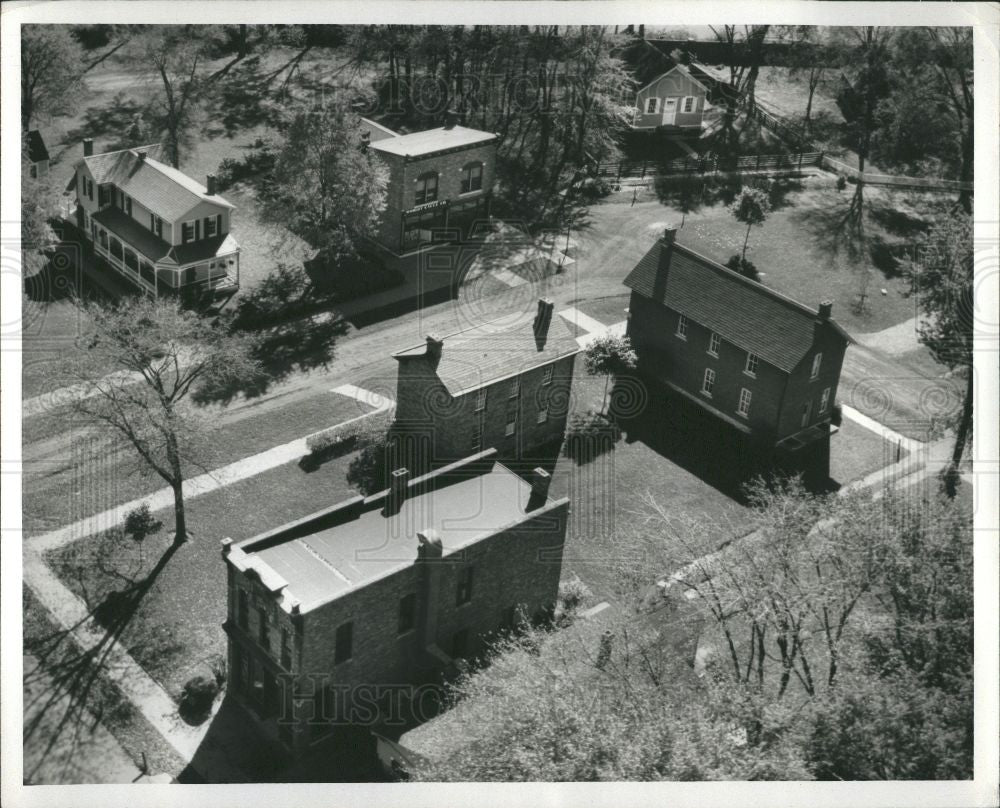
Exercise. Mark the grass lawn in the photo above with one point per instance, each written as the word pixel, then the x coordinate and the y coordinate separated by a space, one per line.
pixel 608 310
pixel 62 487
pixel 175 630
pixel 856 452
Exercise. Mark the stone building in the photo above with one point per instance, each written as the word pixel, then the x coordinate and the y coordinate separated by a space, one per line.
pixel 335 615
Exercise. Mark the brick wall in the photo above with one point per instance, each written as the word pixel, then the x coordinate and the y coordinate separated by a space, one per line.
pixel 423 404
pixel 402 183
pixel 802 389
pixel 652 329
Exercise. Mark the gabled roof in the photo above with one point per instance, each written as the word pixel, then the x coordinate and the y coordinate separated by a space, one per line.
pixel 421 144
pixel 495 350
pixel 164 190
pixel 743 312
pixel 679 69
pixel 36 147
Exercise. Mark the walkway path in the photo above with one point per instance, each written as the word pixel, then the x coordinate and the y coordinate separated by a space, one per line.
pixel 73 615
pixel 594 328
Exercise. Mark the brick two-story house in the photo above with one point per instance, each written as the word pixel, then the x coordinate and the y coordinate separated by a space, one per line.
pixel 348 609
pixel 759 362
pixel 504 383
pixel 153 225
pixel 439 185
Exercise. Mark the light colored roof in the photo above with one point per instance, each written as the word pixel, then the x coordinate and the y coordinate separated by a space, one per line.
pixel 432 140
pixel 495 350
pixel 682 70
pixel 338 550
pixel 161 188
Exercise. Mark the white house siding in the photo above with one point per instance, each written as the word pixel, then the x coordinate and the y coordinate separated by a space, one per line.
pixel 678 86
pixel 201 211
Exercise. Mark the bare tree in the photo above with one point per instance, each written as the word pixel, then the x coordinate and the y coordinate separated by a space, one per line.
pixel 50 71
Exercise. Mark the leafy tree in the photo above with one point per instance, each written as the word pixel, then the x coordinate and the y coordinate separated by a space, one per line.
pixel 50 71
pixel 162 354
pixel 751 207
pixel 744 46
pixel 609 355
pixel 941 277
pixel 39 204
pixel 324 187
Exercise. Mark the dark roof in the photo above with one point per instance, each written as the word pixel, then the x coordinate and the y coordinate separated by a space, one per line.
pixel 204 249
pixel 36 147
pixel 156 186
pixel 128 229
pixel 744 312
pixel 345 547
pixel 496 350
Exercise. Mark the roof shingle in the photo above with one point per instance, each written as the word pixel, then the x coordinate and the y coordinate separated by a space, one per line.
pixel 495 350
pixel 420 144
pixel 744 312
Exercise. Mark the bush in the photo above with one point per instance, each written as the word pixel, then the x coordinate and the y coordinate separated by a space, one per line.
pixel 744 267
pixel 573 593
pixel 260 160
pixel 197 697
pixel 140 523
pixel 841 182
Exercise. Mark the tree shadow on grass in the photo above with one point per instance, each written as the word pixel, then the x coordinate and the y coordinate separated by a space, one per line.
pixel 112 120
pixel 833 229
pixel 73 682
pixel 241 99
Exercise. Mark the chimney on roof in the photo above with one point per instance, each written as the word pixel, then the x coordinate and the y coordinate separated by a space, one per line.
pixel 825 309
pixel 434 347
pixel 88 146
pixel 543 318
pixel 540 480
pixel 397 491
pixel 663 263
pixel 227 543
pixel 210 185
pixel 141 154
pixel 450 119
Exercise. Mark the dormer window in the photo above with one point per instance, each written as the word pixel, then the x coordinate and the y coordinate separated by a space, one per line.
pixel 472 178
pixel 427 188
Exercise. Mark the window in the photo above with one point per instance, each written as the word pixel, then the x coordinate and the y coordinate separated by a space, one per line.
pixel 460 643
pixel 156 225
pixel 427 188
pixel 824 400
pixel 407 613
pixel 708 382
pixel 714 343
pixel 511 422
pixel 104 195
pixel 472 178
pixel 477 438
pixel 263 637
pixel 128 204
pixel 744 407
pixel 751 366
pixel 547 375
pixel 243 610
pixel 187 232
pixel 806 412
pixel 286 649
pixel 481 399
pixel 688 104
pixel 90 188
pixel 682 326
pixel 817 361
pixel 463 593
pixel 211 226
pixel 515 387
pixel 343 643
pixel 652 105
pixel 543 415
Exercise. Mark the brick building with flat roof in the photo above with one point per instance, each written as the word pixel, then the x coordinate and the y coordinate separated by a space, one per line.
pixel 504 384
pixel 386 592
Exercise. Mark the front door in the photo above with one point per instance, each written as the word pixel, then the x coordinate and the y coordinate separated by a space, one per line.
pixel 669 111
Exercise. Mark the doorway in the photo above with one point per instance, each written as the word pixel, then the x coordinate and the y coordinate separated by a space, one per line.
pixel 669 111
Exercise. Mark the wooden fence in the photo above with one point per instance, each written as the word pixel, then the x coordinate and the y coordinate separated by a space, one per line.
pixel 650 169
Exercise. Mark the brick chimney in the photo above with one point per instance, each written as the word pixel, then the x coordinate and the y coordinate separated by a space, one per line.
pixel 141 155
pixel 540 480
pixel 825 309
pixel 434 347
pixel 88 147
pixel 429 552
pixel 663 264
pixel 543 318
pixel 450 119
pixel 210 185
pixel 397 491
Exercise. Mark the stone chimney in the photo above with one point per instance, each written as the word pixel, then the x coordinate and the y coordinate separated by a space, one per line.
pixel 540 480
pixel 429 552
pixel 670 233
pixel 210 185
pixel 825 309
pixel 434 347
pixel 543 318
pixel 88 147
pixel 398 481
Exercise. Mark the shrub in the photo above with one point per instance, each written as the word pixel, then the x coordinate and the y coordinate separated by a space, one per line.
pixel 197 697
pixel 841 182
pixel 744 267
pixel 218 665
pixel 573 593
pixel 140 523
pixel 363 432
